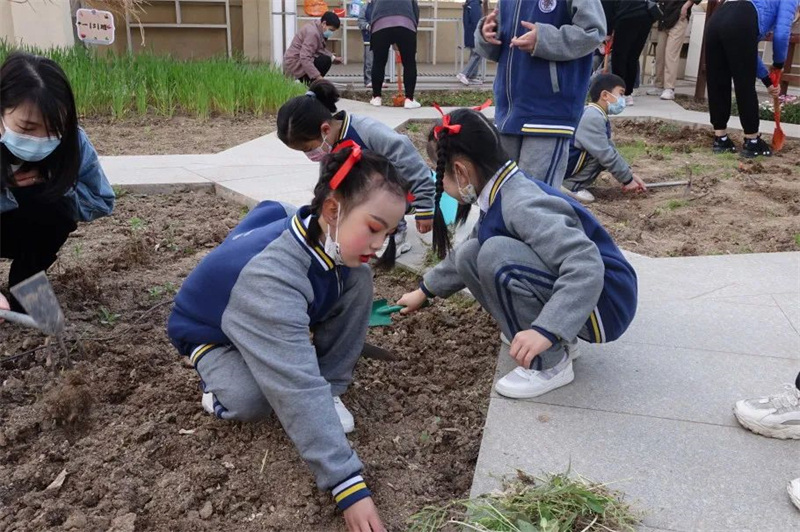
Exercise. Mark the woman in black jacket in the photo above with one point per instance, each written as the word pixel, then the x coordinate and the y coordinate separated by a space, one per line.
pixel 631 21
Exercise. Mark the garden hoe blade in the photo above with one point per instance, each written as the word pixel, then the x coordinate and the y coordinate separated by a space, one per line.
pixel 38 299
pixel 378 353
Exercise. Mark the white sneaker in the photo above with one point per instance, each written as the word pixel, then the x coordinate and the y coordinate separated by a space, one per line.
pixel 668 94
pixel 629 100
pixel 401 241
pixel 528 383
pixel 376 101
pixel 476 81
pixel 462 78
pixel 208 402
pixel 345 417
pixel 655 91
pixel 583 195
pixel 776 416
pixel 412 104
pixel 794 492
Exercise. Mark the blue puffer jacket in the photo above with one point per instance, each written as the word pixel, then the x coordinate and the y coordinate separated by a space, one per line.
pixel 542 93
pixel 775 16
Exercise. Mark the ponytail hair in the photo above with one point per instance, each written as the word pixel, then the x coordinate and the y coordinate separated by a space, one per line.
pixel 474 139
pixel 370 173
pixel 300 119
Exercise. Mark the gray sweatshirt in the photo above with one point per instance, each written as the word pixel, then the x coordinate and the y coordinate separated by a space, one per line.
pixel 593 143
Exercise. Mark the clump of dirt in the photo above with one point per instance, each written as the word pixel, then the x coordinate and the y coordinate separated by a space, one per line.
pixel 733 205
pixel 156 135
pixel 139 451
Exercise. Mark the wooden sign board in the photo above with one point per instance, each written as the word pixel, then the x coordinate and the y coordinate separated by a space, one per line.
pixel 94 26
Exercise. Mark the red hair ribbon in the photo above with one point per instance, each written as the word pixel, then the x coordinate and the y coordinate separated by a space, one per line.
pixel 446 126
pixel 410 197
pixel 353 158
pixel 483 106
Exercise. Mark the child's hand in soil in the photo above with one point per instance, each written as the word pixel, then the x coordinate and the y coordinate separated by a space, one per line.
pixel 527 41
pixel 637 185
pixel 527 345
pixel 413 301
pixel 489 29
pixel 424 226
pixel 4 305
pixel 363 517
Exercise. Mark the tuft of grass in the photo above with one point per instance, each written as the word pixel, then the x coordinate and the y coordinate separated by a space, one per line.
pixel 119 191
pixel 797 239
pixel 631 151
pixel 413 127
pixel 120 85
pixel 555 503
pixel 107 317
pixel 157 292
pixel 136 224
pixel 675 204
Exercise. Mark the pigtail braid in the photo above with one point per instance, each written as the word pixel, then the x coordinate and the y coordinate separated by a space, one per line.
pixel 441 237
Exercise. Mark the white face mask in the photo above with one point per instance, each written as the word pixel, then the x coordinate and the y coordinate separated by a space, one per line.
pixel 332 248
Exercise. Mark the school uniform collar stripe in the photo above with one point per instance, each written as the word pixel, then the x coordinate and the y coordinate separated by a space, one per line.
pixel 500 178
pixel 299 231
pixel 345 126
pixel 548 127
pixel 605 114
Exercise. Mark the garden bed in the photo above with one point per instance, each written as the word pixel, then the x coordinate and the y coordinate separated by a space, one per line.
pixel 734 205
pixel 127 426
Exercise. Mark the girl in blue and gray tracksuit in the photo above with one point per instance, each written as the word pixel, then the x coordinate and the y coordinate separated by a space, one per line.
pixel 538 261
pixel 732 36
pixel 540 89
pixel 246 314
pixel 308 124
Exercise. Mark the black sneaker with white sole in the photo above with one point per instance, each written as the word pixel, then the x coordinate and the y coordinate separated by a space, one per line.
pixel 756 147
pixel 723 145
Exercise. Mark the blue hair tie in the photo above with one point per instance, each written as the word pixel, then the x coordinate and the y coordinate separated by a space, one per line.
pixel 311 94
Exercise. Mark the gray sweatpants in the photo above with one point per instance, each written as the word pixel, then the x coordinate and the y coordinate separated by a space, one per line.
pixel 513 284
pixel 367 65
pixel 586 176
pixel 542 158
pixel 338 339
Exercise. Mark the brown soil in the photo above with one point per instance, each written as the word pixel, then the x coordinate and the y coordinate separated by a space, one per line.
pixel 154 135
pixel 733 205
pixel 114 421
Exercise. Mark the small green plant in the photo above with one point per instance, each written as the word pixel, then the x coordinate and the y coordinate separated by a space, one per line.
pixel 555 503
pixel 797 239
pixel 136 224
pixel 156 292
pixel 119 192
pixel 107 317
pixel 425 436
pixel 631 151
pixel 413 127
pixel 244 211
pixel 675 204
pixel 77 250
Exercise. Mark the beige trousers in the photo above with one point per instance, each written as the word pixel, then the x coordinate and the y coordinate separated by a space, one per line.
pixel 668 54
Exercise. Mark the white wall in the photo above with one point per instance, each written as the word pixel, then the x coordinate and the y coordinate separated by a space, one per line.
pixel 40 23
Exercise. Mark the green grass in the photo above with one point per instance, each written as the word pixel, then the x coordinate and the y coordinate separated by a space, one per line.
pixel 631 151
pixel 797 239
pixel 556 503
pixel 125 85
pixel 107 317
pixel 168 288
pixel 675 204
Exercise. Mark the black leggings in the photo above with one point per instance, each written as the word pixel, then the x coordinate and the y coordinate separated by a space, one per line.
pixel 731 49
pixel 381 42
pixel 630 37
pixel 32 234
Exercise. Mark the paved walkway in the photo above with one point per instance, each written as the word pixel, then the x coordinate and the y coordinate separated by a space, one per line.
pixel 650 413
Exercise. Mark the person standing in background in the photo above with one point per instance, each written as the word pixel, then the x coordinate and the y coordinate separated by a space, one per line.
pixel 394 22
pixel 363 25
pixel 474 10
pixel 632 22
pixel 671 32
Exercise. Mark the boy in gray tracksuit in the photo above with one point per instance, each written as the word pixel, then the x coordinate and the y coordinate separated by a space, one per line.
pixel 592 149
pixel 542 76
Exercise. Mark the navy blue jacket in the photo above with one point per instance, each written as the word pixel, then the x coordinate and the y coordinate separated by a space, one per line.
pixel 472 15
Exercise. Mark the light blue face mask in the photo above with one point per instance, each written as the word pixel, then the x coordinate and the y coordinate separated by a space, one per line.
pixel 327 34
pixel 27 147
pixel 617 107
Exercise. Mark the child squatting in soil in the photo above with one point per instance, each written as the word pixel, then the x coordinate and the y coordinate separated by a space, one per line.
pixel 306 120
pixel 244 315
pixel 536 260
pixel 50 175
pixel 592 149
